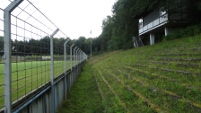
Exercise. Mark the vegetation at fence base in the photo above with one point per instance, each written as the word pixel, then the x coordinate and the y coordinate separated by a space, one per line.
pixel 161 78
pixel 84 98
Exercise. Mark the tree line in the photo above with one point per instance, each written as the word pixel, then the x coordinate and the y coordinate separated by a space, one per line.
pixel 117 30
pixel 42 46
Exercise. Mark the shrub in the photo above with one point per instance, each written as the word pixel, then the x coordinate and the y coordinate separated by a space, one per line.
pixel 184 32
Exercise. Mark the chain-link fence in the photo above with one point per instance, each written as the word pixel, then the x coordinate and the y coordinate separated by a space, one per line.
pixel 32 52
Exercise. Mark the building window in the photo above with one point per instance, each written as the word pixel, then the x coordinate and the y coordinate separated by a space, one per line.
pixel 140 22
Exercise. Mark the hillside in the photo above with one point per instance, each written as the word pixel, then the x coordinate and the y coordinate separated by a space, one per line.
pixel 161 78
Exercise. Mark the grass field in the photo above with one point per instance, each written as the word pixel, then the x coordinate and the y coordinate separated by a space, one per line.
pixel 28 76
pixel 164 78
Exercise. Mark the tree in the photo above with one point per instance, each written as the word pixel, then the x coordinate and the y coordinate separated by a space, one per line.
pixel 118 29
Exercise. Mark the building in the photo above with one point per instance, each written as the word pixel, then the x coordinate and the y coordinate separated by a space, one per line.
pixel 162 20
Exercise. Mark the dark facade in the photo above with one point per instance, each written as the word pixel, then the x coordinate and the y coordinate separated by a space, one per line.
pixel 177 14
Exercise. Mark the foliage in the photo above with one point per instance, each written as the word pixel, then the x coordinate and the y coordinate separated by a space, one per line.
pixel 42 46
pixel 184 32
pixel 118 29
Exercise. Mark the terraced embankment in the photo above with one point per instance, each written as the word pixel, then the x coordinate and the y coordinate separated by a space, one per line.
pixel 165 78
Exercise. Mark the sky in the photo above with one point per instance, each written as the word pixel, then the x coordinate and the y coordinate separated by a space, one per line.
pixel 77 17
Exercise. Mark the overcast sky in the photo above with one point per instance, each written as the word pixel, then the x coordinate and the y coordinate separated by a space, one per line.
pixel 77 17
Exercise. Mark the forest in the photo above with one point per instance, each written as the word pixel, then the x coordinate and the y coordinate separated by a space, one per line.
pixel 117 30
pixel 42 46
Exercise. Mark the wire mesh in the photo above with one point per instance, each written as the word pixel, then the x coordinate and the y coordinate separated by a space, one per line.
pixel 30 38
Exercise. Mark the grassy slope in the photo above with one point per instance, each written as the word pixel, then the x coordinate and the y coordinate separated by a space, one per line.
pixel 161 78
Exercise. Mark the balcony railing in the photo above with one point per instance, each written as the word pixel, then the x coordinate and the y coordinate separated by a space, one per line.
pixel 154 24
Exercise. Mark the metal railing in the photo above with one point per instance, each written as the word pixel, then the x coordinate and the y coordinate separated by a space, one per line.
pixel 154 24
pixel 31 64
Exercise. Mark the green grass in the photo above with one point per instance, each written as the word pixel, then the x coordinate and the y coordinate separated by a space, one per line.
pixel 28 76
pixel 84 95
pixel 161 78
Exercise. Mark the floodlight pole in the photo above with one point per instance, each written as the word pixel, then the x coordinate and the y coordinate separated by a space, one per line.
pixel 65 84
pixel 7 55
pixel 52 70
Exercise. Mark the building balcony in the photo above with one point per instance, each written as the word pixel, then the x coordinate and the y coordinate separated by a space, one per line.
pixel 162 20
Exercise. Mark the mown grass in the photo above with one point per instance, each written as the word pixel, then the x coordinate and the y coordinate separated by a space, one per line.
pixel 28 76
pixel 161 78
pixel 84 98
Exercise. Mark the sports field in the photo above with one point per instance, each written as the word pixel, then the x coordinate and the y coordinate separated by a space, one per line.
pixel 28 76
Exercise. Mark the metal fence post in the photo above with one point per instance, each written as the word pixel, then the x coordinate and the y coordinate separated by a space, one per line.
pixel 71 56
pixel 77 65
pixel 80 56
pixel 71 62
pixel 74 62
pixel 83 56
pixel 74 56
pixel 7 54
pixel 80 60
pixel 65 84
pixel 77 55
pixel 52 70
